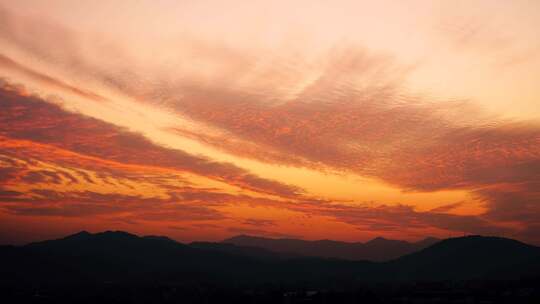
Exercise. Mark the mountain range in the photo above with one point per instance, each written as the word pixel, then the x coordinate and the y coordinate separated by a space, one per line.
pixel 378 249
pixel 121 256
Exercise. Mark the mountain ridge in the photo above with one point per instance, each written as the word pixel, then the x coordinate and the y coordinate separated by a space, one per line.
pixel 378 249
pixel 114 256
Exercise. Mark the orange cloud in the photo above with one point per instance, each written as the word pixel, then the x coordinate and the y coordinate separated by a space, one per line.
pixel 32 119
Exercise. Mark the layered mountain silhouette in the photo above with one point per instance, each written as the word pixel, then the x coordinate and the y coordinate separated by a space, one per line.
pixel 121 256
pixel 378 249
pixel 246 251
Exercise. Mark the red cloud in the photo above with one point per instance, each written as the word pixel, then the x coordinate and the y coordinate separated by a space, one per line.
pixel 30 118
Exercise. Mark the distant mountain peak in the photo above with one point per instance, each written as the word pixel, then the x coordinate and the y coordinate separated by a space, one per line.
pixel 79 235
pixel 159 237
pixel 384 241
pixel 115 233
pixel 379 239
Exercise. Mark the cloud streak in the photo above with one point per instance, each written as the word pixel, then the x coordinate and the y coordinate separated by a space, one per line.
pixel 32 119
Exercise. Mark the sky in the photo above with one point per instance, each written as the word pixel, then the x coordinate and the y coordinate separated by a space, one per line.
pixel 201 120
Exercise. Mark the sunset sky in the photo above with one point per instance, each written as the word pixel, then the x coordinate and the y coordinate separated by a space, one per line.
pixel 201 120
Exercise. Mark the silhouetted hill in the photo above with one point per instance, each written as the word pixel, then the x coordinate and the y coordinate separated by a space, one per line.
pixel 378 249
pixel 467 258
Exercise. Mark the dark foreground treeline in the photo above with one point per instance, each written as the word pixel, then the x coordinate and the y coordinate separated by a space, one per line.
pixel 117 267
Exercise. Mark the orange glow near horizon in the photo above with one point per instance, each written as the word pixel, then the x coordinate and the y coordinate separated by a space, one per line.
pixel 418 119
